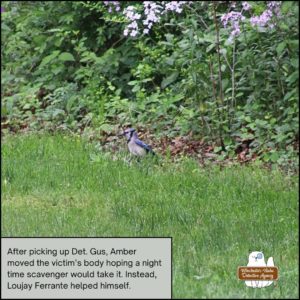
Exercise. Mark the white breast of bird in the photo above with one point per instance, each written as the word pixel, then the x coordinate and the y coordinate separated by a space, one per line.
pixel 135 149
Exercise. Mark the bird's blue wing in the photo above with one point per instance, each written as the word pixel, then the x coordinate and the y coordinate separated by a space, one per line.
pixel 143 145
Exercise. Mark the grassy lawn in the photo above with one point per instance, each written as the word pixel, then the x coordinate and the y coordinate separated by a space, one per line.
pixel 60 186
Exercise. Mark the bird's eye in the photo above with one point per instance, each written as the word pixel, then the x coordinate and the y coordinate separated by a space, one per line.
pixel 259 255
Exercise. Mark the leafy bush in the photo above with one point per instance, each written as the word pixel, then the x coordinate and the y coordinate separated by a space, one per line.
pixel 71 67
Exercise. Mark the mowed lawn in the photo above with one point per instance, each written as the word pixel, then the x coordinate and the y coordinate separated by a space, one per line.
pixel 61 186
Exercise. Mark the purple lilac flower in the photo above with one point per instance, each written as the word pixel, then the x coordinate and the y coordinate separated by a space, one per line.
pixel 234 19
pixel 266 18
pixel 236 29
pixel 112 5
pixel 130 13
pixel 125 32
pixel 232 16
pixel 261 20
pixel 133 33
pixel 152 12
pixel 246 5
pixel 274 6
pixel 132 27
pixel 175 6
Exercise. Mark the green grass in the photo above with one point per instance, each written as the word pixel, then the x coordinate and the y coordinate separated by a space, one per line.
pixel 52 187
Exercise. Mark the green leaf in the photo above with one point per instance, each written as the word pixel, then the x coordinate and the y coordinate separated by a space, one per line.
pixel 274 156
pixel 247 136
pixel 292 78
pixel 247 119
pixel 4 27
pixel 252 126
pixel 289 95
pixel 95 157
pixel 136 88
pixel 106 127
pixel 177 98
pixel 66 56
pixel 57 112
pixel 170 61
pixel 225 83
pixel 168 80
pixel 286 6
pixel 39 40
pixel 55 30
pixel 48 58
pixel 169 37
pixel 56 70
pixel 146 80
pixel 210 47
pixel 27 106
pixel 280 48
pixel 217 149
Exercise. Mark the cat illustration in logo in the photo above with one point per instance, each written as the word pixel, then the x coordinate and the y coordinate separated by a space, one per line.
pixel 257 259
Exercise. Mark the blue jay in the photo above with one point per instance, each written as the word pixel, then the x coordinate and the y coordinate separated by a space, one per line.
pixel 136 146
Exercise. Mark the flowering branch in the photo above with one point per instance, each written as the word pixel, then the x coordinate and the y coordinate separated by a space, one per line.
pixel 141 17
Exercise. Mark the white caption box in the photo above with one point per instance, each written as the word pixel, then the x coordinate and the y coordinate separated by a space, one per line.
pixel 86 268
